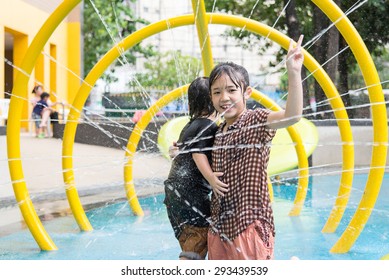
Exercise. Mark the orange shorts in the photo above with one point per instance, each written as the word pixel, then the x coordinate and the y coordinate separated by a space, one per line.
pixel 194 240
pixel 246 246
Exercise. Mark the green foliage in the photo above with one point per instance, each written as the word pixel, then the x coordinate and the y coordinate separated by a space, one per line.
pixel 121 21
pixel 381 62
pixel 370 20
pixel 170 69
pixel 265 12
pixel 284 83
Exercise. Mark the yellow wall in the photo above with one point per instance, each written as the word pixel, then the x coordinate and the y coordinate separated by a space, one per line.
pixel 74 56
pixel 53 70
pixel 40 70
pixel 23 19
pixel 20 49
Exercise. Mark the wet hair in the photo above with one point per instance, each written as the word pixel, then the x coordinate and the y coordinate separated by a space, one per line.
pixel 238 74
pixel 44 95
pixel 199 98
pixel 35 89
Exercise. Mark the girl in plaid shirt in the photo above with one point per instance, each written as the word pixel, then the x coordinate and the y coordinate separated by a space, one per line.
pixel 242 225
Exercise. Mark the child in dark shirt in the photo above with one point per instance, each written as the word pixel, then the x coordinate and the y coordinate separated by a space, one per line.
pixel 187 190
pixel 41 112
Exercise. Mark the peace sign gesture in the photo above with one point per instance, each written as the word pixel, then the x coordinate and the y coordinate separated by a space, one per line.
pixel 295 56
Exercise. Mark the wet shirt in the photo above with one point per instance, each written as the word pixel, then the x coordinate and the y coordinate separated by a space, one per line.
pixel 242 154
pixel 186 190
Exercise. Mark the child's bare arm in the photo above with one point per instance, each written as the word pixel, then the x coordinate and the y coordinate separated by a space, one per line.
pixel 202 163
pixel 294 102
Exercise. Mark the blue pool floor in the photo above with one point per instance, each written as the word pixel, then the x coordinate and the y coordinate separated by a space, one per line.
pixel 118 235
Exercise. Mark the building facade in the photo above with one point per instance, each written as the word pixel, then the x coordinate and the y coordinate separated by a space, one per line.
pixel 185 40
pixel 58 68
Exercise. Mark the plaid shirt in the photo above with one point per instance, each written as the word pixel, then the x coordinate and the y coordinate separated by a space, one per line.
pixel 242 154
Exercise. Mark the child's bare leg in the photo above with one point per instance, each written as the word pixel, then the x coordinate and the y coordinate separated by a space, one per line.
pixel 45 117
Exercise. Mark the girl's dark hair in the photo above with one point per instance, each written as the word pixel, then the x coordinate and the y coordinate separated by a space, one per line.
pixel 238 74
pixel 199 98
pixel 35 89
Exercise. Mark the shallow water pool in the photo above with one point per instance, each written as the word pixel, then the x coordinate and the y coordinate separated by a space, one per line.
pixel 120 235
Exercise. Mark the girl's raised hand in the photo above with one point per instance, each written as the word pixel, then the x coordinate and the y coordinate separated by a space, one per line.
pixel 295 56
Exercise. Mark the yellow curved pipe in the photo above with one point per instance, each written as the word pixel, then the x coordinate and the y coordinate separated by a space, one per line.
pixel 270 189
pixel 19 94
pixel 162 25
pixel 380 125
pixel 203 35
pixel 134 140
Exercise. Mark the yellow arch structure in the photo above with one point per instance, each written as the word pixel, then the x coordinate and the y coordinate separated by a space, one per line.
pixel 19 94
pixel 380 126
pixel 203 35
pixel 134 139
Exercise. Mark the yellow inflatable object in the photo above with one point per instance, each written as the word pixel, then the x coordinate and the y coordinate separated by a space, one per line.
pixel 282 156
pixel 386 257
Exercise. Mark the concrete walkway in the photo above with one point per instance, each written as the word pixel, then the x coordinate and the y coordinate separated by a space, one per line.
pixel 98 176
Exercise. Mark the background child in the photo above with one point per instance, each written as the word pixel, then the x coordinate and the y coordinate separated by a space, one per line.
pixel 37 91
pixel 41 113
pixel 242 225
pixel 187 191
pixel 52 113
